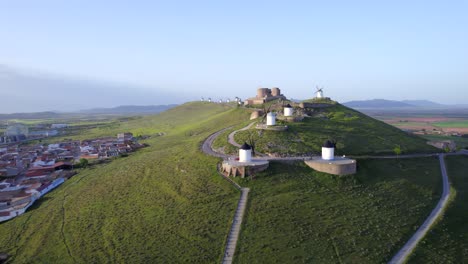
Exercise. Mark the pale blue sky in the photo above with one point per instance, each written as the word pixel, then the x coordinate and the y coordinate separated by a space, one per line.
pixel 355 49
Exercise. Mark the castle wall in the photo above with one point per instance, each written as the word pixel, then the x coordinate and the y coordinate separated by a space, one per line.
pixel 242 171
pixel 333 168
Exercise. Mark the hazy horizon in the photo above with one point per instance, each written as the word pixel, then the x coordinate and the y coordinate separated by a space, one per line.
pixel 75 55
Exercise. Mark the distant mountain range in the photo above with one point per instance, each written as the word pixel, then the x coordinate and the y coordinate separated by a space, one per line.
pixel 385 104
pixel 119 110
pixel 130 109
pixel 37 115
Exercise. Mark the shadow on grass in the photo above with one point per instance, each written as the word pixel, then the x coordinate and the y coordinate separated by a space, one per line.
pixel 38 203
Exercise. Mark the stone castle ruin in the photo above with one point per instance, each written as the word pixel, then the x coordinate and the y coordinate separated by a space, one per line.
pixel 265 95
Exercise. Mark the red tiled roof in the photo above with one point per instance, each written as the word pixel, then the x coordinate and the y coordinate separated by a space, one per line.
pixel 5 213
pixel 88 157
pixel 49 168
pixel 61 163
pixel 35 173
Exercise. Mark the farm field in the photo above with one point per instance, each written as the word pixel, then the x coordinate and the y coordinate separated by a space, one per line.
pixel 448 241
pixel 297 215
pixel 451 124
pixel 454 122
pixel 461 142
pixel 162 204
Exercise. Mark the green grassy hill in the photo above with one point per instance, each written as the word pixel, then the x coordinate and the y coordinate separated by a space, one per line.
pixel 297 215
pixel 162 204
pixel 356 134
pixel 167 204
pixel 448 241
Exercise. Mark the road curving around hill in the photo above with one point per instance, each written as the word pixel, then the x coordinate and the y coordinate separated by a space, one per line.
pixel 437 212
pixel 408 248
pixel 231 139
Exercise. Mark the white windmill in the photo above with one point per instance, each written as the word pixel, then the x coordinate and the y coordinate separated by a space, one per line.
pixel 203 99
pixel 209 99
pixel 319 93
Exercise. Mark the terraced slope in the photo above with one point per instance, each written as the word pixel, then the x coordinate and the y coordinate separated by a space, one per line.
pixel 162 204
pixel 356 134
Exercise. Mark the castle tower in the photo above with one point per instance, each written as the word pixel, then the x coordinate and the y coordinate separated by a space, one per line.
pixel 275 91
pixel 262 92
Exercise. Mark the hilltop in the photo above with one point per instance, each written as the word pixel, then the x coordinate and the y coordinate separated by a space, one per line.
pixel 355 133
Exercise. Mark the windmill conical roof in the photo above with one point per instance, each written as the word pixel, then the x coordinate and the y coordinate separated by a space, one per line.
pixel 288 106
pixel 245 146
pixel 328 144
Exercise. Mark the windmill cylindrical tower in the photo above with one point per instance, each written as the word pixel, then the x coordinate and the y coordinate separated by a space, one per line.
pixel 288 110
pixel 271 119
pixel 245 153
pixel 319 93
pixel 328 150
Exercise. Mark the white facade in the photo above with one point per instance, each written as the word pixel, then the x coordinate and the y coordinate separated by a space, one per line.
pixel 271 119
pixel 328 153
pixel 288 111
pixel 58 126
pixel 319 94
pixel 245 155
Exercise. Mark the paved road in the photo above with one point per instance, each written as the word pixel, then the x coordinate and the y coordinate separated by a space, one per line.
pixel 207 149
pixel 206 146
pixel 405 156
pixel 408 248
pixel 231 136
pixel 235 227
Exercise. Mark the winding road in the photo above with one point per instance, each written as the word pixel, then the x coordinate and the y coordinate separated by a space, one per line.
pixel 437 212
pixel 207 145
pixel 403 253
pixel 231 136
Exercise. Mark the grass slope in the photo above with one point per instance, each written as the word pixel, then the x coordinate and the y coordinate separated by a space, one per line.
pixel 448 241
pixel 162 204
pixel 297 215
pixel 355 132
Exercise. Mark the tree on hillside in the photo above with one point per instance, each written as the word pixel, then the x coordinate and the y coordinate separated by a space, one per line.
pixel 253 137
pixel 83 163
pixel 397 150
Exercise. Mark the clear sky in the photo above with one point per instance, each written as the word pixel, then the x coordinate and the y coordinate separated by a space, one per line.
pixel 355 49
